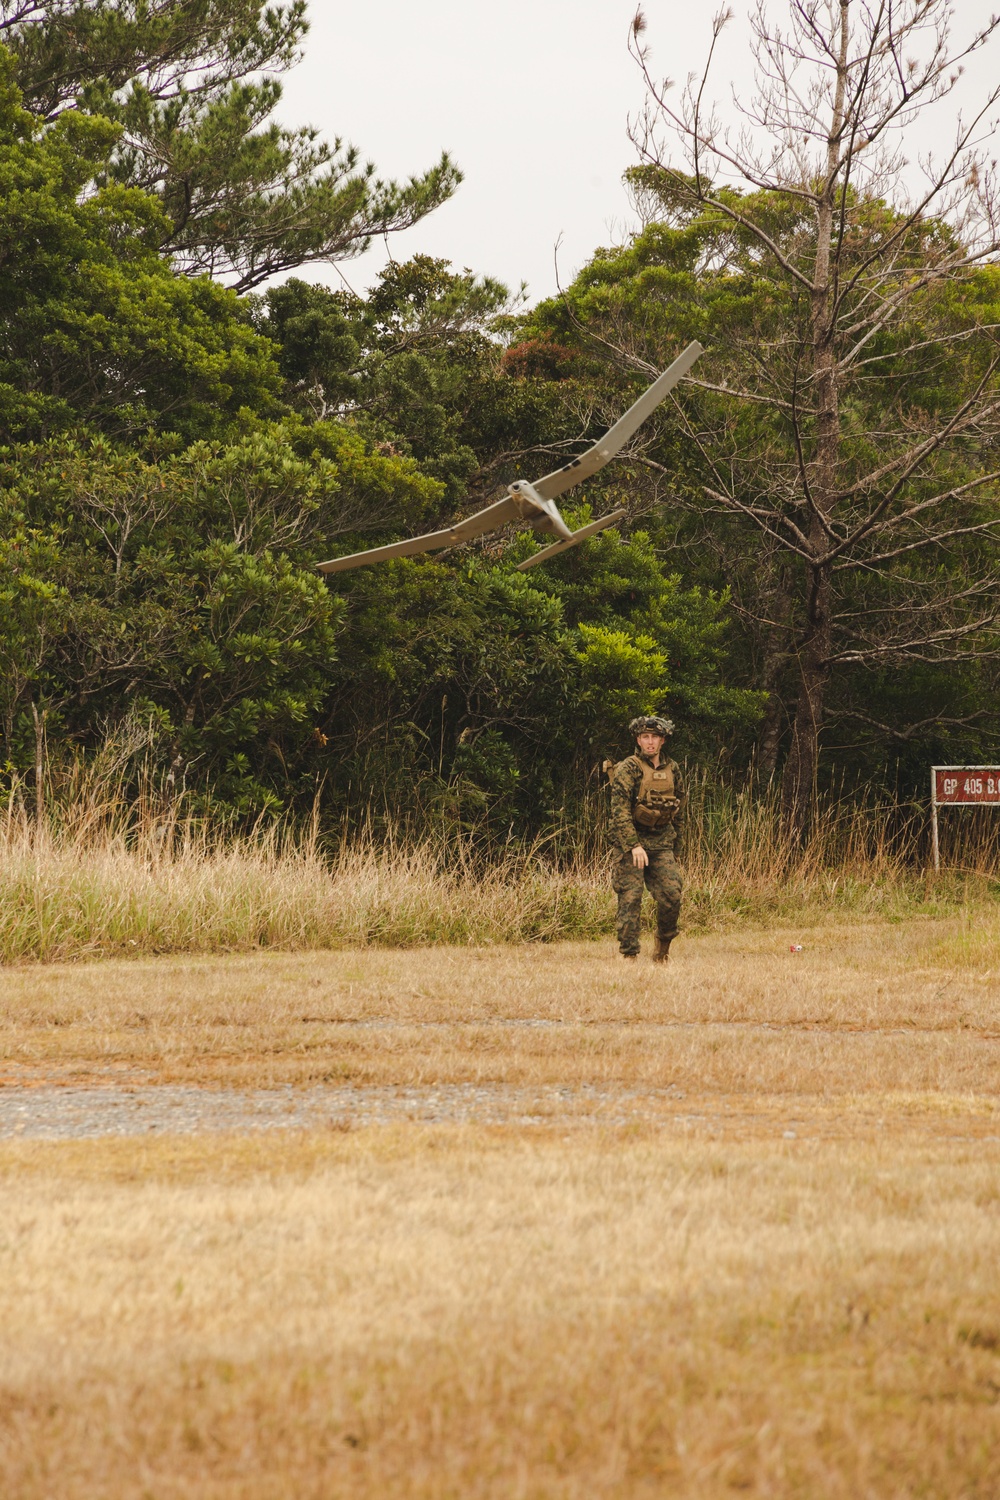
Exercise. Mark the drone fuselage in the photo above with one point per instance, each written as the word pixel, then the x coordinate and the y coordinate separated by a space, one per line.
pixel 540 514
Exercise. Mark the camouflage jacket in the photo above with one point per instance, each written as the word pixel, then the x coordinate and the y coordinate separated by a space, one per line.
pixel 625 783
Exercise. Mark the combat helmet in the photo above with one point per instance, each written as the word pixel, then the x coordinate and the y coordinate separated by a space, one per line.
pixel 650 724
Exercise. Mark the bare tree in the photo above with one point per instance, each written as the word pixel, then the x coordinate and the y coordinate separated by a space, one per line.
pixel 874 375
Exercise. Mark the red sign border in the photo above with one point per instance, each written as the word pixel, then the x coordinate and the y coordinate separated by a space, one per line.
pixel 935 804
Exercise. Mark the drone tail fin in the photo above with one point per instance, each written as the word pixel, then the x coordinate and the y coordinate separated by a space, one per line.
pixel 574 538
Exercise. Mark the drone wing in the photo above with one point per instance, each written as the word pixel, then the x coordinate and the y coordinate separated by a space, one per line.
pixel 484 520
pixel 615 438
pixel 564 544
pixel 546 489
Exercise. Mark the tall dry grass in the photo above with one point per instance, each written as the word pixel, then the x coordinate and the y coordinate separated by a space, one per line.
pixel 104 873
pixel 861 856
pixel 64 896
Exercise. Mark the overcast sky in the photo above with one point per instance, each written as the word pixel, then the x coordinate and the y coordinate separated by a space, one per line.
pixel 531 97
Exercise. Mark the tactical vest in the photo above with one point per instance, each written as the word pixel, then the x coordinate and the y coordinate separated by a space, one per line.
pixel 655 805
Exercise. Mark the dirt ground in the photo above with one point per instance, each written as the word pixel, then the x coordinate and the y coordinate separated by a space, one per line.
pixel 506 1222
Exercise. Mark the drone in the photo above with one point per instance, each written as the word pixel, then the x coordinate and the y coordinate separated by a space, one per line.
pixel 534 504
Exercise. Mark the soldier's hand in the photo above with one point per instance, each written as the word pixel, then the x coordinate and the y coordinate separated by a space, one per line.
pixel 639 857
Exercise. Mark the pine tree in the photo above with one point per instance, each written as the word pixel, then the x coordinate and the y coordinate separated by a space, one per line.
pixel 193 86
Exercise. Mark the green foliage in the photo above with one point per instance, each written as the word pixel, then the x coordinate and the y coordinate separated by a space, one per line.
pixel 896 699
pixel 95 328
pixel 416 364
pixel 318 344
pixel 67 48
pixel 180 586
pixel 176 462
pixel 503 691
pixel 623 584
pixel 193 84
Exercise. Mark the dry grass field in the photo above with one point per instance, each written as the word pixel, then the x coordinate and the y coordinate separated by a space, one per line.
pixel 749 1246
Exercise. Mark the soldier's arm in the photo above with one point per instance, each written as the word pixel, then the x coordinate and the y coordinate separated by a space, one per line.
pixel 623 830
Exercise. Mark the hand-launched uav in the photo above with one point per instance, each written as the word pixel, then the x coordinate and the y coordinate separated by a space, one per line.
pixel 535 503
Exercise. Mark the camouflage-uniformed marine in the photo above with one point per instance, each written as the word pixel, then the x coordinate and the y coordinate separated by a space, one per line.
pixel 647 808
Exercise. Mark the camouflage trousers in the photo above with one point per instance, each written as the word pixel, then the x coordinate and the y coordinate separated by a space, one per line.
pixel 663 880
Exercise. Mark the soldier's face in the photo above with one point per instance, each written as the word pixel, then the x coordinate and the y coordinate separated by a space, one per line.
pixel 651 744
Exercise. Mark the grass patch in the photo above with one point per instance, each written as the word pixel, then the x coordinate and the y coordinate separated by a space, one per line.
pixel 100 877
pixel 477 1315
pixel 777 1278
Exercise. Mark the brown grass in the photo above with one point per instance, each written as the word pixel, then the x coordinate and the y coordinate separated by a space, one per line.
pixel 100 875
pixel 911 1006
pixel 699 1304
pixel 465 1314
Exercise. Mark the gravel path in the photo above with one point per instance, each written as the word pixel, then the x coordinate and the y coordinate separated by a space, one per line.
pixel 63 1112
pixel 42 1110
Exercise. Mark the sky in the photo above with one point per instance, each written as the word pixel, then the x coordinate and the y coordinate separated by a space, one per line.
pixel 532 98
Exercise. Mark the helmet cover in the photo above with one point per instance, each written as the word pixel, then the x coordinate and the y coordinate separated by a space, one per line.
pixel 650 724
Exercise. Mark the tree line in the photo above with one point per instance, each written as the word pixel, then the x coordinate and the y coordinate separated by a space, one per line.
pixel 807 576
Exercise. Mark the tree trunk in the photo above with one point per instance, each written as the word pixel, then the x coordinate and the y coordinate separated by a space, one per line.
pixel 178 763
pixel 770 732
pixel 798 785
pixel 776 657
pixel 799 781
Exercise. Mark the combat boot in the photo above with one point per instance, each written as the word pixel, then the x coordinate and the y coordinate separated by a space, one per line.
pixel 661 949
